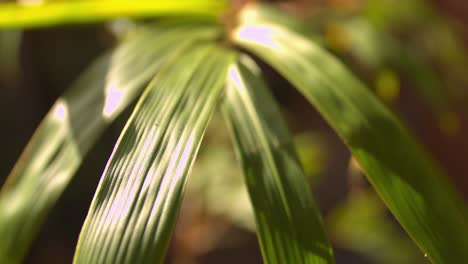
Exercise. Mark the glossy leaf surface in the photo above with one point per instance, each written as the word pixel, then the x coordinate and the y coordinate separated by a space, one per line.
pixel 289 225
pixel 74 124
pixel 139 195
pixel 405 177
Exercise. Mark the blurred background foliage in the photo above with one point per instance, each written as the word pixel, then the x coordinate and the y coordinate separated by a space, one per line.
pixel 412 53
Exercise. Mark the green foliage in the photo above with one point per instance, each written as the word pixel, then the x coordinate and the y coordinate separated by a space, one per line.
pixel 286 214
pixel 138 198
pixel 407 180
pixel 134 209
pixel 73 126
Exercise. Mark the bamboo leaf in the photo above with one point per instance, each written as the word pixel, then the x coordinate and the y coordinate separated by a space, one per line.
pixel 89 11
pixel 411 185
pixel 289 225
pixel 135 206
pixel 74 124
pixel 370 46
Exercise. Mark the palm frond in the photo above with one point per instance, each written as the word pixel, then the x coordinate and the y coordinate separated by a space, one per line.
pixel 409 182
pixel 289 225
pixel 74 124
pixel 135 206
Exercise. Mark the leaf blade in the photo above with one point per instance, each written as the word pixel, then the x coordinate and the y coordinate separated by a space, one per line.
pixel 289 225
pixel 137 200
pixel 408 181
pixel 89 11
pixel 72 127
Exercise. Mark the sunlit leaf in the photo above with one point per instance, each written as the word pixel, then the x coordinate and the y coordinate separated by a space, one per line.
pixel 88 11
pixel 135 207
pixel 370 46
pixel 408 181
pixel 225 195
pixel 74 124
pixel 288 222
pixel 266 12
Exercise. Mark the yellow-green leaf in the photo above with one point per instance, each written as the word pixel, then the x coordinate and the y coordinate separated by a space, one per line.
pixel 89 11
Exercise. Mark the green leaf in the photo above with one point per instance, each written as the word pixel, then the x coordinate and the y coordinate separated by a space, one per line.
pixel 74 124
pixel 139 195
pixel 405 177
pixel 89 11
pixel 288 222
